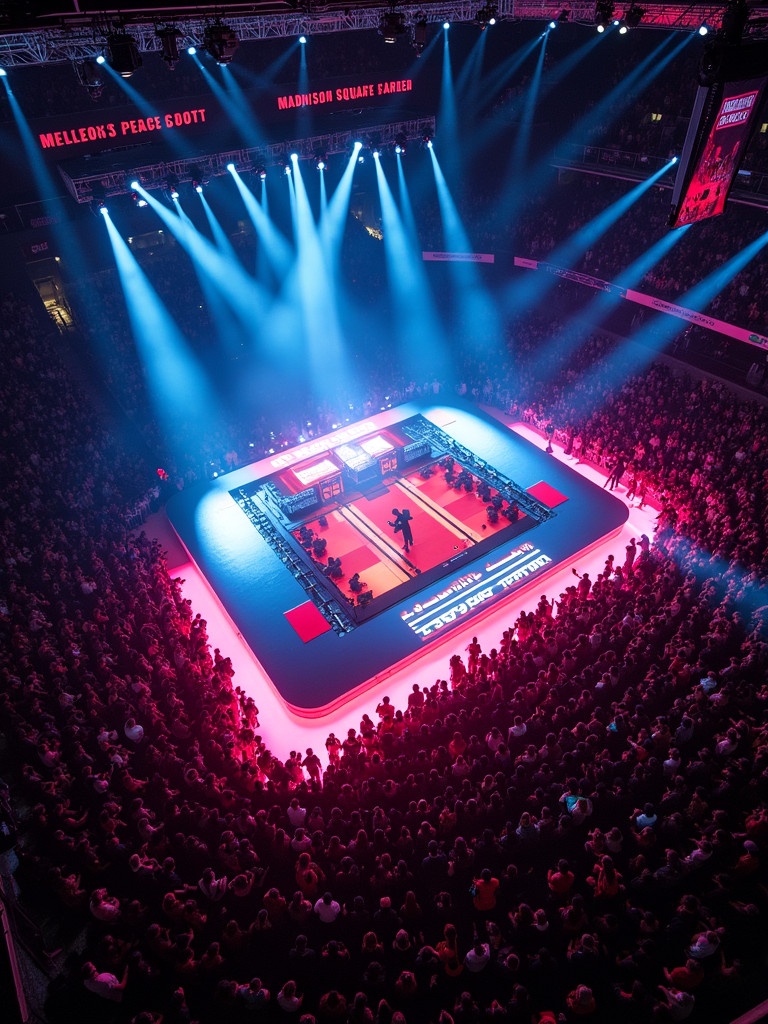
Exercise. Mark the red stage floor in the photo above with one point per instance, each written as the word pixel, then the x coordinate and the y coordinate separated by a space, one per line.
pixel 444 521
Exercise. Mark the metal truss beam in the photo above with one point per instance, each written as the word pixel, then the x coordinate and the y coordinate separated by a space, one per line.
pixel 87 188
pixel 82 37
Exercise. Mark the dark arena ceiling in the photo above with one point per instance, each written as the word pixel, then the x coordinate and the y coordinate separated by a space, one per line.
pixel 53 31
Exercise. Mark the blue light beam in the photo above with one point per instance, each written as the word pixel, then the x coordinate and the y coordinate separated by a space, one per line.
pixel 333 219
pixel 446 118
pixel 312 284
pixel 279 253
pixel 590 317
pixel 234 102
pixel 523 139
pixel 241 292
pixel 416 326
pixel 183 401
pixel 523 294
pixel 478 319
pixel 658 332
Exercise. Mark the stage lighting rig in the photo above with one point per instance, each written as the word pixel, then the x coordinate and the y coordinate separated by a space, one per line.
pixel 735 17
pixel 603 14
pixel 634 16
pixel 419 38
pixel 124 56
pixel 169 40
pixel 171 186
pixel 198 177
pixel 221 42
pixel 401 142
pixel 392 25
pixel 486 15
pixel 89 75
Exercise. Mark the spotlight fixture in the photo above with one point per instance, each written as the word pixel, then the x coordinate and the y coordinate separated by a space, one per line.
pixel 603 14
pixel 171 185
pixel 139 200
pixel 191 50
pixel 703 29
pixel 221 42
pixel 124 56
pixel 564 15
pixel 392 25
pixel 401 142
pixel 198 178
pixel 446 25
pixel 552 24
pixel 623 28
pixel 101 59
pixel 230 167
pixel 419 38
pixel 634 16
pixel 3 73
pixel 262 173
pixel 303 40
pixel 735 17
pixel 102 208
pixel 90 76
pixel 486 16
pixel 169 42
pixel 375 154
pixel 135 184
pixel 321 161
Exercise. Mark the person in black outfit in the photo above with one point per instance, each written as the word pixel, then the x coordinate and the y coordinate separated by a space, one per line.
pixel 402 524
pixel 616 474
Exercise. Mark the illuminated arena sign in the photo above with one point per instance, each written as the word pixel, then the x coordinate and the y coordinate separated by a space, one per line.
pixel 135 126
pixel 465 594
pixel 351 93
pixel 104 129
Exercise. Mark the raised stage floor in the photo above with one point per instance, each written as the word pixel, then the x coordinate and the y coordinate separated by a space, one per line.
pixel 316 644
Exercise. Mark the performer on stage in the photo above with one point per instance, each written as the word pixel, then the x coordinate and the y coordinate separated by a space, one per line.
pixel 402 524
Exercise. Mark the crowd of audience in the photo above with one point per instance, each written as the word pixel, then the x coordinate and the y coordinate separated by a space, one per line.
pixel 570 826
pixel 573 823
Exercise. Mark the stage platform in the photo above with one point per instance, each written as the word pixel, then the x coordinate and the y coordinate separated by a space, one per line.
pixel 257 536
